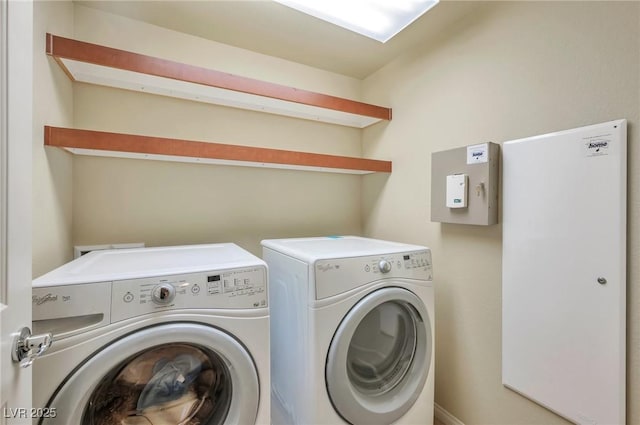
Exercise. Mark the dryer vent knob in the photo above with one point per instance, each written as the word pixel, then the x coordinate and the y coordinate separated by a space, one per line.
pixel 384 266
pixel 163 293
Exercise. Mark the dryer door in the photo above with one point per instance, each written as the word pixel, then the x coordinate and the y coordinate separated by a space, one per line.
pixel 379 357
pixel 178 373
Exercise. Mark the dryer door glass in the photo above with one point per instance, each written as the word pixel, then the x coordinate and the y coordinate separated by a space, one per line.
pixel 379 358
pixel 382 348
pixel 169 384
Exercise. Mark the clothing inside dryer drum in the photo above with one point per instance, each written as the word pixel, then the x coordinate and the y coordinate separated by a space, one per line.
pixel 382 348
pixel 173 384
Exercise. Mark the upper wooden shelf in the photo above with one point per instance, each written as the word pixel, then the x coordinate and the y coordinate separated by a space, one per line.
pixel 99 143
pixel 92 63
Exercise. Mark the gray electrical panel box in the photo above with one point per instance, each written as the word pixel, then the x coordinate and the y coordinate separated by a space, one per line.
pixel 464 185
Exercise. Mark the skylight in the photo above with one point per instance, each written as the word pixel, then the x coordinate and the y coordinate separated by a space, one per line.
pixel 377 19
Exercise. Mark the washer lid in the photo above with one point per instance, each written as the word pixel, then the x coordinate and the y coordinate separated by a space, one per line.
pixel 312 249
pixel 119 264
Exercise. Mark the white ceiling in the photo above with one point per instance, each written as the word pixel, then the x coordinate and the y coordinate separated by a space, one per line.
pixel 267 27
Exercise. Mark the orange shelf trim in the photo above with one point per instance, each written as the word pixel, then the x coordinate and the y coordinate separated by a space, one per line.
pixel 118 142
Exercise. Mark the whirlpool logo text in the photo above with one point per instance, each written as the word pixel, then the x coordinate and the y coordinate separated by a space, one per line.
pixel 43 299
pixel 327 267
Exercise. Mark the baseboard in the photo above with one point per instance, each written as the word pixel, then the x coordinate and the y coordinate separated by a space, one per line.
pixel 445 417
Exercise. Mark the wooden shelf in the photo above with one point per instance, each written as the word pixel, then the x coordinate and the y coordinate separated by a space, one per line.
pixel 99 143
pixel 92 63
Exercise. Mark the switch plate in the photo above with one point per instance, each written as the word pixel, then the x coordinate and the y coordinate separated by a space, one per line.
pixel 457 190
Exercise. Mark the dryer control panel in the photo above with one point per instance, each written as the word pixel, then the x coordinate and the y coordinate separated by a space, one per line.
pixel 335 276
pixel 227 289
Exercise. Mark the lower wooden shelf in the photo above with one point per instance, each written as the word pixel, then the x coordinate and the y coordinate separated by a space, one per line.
pixel 100 143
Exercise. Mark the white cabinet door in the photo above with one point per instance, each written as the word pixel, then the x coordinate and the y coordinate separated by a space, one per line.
pixel 564 272
pixel 16 71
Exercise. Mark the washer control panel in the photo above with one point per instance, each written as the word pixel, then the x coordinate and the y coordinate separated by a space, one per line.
pixel 236 289
pixel 412 265
pixel 335 276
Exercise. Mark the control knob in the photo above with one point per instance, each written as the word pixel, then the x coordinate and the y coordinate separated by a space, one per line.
pixel 384 266
pixel 163 293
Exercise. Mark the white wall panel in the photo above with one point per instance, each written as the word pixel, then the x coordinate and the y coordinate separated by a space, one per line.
pixel 564 217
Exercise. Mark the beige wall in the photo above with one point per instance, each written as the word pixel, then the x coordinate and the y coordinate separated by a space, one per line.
pixel 95 26
pixel 512 70
pixel 52 168
pixel 162 203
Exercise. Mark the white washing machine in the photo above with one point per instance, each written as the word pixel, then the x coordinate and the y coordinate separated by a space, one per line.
pixel 351 331
pixel 154 336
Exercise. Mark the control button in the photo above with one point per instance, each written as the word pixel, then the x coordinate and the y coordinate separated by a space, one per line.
pixel 195 289
pixel 163 293
pixel 128 297
pixel 384 266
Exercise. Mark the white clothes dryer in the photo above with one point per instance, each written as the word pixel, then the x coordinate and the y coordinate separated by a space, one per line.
pixel 154 336
pixel 351 331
